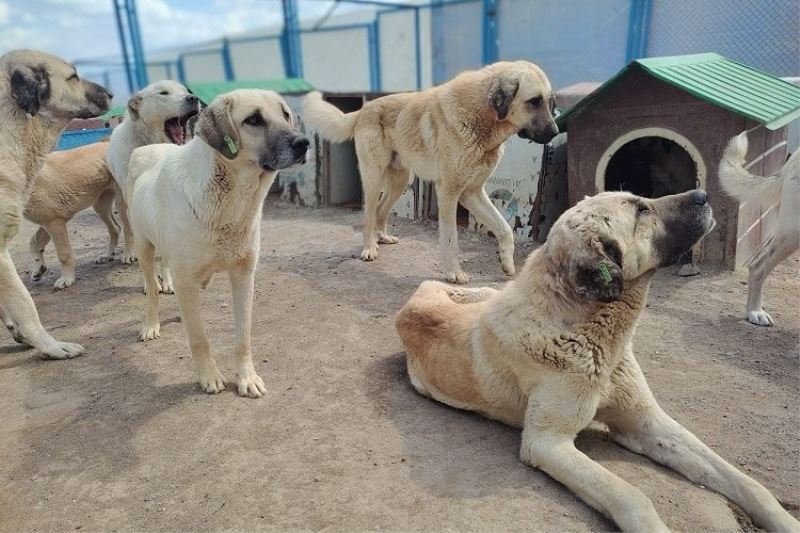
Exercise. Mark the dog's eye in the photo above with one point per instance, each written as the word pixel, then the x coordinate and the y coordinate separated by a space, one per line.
pixel 536 101
pixel 287 116
pixel 642 209
pixel 254 120
pixel 74 77
pixel 164 93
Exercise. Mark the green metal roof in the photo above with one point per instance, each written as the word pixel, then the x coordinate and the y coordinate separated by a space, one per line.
pixel 712 78
pixel 113 112
pixel 206 91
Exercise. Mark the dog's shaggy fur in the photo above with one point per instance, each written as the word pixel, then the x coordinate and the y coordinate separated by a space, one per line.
pixel 783 187
pixel 200 206
pixel 451 135
pixel 69 182
pixel 553 350
pixel 39 95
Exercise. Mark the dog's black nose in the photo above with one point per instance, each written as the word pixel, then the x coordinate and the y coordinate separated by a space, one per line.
pixel 300 144
pixel 192 99
pixel 699 197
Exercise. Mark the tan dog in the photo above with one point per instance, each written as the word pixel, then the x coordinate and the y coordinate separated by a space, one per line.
pixel 451 135
pixel 200 206
pixel 553 350
pixel 69 182
pixel 39 95
pixel 784 187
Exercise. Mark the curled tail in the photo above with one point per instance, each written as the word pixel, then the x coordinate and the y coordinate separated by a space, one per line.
pixel 327 120
pixel 738 182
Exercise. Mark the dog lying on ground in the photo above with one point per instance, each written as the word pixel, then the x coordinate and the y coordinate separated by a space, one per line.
pixel 200 205
pixel 746 187
pixel 39 95
pixel 451 135
pixel 553 350
pixel 69 182
pixel 159 113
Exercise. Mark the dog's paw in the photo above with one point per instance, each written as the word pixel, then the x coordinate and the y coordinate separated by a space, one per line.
pixel 128 259
pixel 166 287
pixel 15 333
pixel 63 282
pixel 149 333
pixel 369 254
pixel 458 277
pixel 507 264
pixel 252 386
pixel 385 238
pixel 62 350
pixel 212 381
pixel 760 318
pixel 38 271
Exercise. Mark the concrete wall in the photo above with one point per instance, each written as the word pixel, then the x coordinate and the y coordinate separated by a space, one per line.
pixel 205 66
pixel 456 39
pixel 337 60
pixel 257 60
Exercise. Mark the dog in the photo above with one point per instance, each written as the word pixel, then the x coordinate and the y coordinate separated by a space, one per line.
pixel 746 187
pixel 451 135
pixel 200 204
pixel 159 113
pixel 553 350
pixel 69 182
pixel 39 95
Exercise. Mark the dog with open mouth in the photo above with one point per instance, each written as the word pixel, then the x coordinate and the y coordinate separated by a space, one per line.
pixel 200 205
pixel 157 114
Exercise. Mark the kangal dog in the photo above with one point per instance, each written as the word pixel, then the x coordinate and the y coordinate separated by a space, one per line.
pixel 784 187
pixel 451 135
pixel 39 95
pixel 200 206
pixel 553 350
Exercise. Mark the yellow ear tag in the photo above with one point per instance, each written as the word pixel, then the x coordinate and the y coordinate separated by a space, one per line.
pixel 604 273
pixel 231 144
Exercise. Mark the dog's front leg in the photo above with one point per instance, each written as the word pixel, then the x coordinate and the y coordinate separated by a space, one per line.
pixel 556 413
pixel 250 383
pixel 448 235
pixel 188 295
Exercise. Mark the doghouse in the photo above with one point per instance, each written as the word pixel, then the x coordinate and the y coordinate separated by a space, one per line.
pixel 660 125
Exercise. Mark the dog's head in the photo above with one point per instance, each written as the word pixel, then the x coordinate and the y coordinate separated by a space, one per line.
pixel 164 107
pixel 48 86
pixel 612 237
pixel 520 93
pixel 254 126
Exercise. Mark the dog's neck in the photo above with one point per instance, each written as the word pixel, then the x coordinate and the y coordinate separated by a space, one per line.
pixel 144 134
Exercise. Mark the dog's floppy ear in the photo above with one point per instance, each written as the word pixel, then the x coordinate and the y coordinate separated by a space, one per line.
pixel 599 273
pixel 215 127
pixel 133 106
pixel 501 94
pixel 30 88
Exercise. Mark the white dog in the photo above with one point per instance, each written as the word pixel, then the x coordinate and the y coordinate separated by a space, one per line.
pixel 159 113
pixel 200 206
pixel 746 187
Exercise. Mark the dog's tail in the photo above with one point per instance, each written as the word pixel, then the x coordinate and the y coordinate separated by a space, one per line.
pixel 738 182
pixel 327 120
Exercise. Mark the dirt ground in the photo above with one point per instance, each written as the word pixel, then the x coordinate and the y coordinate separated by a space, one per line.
pixel 122 439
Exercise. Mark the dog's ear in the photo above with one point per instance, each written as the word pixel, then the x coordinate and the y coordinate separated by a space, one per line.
pixel 133 106
pixel 598 275
pixel 215 126
pixel 501 94
pixel 30 88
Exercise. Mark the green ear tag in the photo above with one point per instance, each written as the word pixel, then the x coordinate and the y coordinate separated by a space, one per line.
pixel 231 144
pixel 604 273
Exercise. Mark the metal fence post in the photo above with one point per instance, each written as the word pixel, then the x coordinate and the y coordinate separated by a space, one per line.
pixel 123 42
pixel 418 46
pixel 490 45
pixel 638 29
pixel 227 61
pixel 290 41
pixel 373 39
pixel 136 43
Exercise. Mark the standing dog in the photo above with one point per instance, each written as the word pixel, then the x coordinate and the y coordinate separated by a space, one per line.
pixel 451 135
pixel 783 187
pixel 157 114
pixel 200 205
pixel 69 182
pixel 39 95
pixel 553 350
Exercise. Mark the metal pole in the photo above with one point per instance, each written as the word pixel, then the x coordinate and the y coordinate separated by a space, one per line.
pixel 227 61
pixel 290 41
pixel 136 43
pixel 418 50
pixel 123 41
pixel 490 44
pixel 373 39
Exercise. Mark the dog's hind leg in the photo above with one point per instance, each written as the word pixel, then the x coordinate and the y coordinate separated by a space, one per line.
pixel 58 232
pixel 250 383
pixel 165 277
pixel 37 245
pixel 778 249
pixel 211 381
pixel 19 306
pixel 151 329
pixel 104 207
pixel 122 209
pixel 371 178
pixel 448 234
pixel 396 181
pixel 479 204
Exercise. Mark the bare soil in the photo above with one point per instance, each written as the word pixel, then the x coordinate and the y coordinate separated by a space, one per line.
pixel 122 439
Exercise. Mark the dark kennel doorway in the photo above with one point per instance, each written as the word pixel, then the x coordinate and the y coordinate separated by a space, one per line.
pixel 651 167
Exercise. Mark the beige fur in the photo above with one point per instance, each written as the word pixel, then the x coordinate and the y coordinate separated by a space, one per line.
pixel 784 187
pixel 69 182
pixel 553 350
pixel 39 95
pixel 200 205
pixel 451 135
